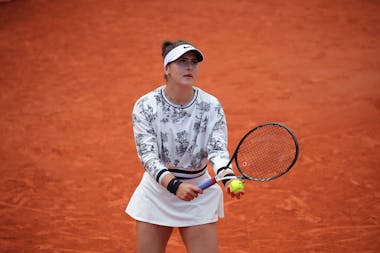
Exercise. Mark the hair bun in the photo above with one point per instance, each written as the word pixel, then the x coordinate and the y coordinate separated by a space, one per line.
pixel 165 45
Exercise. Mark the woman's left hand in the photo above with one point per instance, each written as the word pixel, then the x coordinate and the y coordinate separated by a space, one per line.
pixel 237 195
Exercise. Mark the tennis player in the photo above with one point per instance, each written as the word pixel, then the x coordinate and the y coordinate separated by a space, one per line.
pixel 178 130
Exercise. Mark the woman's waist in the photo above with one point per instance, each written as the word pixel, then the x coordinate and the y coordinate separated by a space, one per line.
pixel 188 173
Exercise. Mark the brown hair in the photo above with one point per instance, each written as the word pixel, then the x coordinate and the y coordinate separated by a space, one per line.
pixel 167 46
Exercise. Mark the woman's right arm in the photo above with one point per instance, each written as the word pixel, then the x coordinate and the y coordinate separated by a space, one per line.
pixel 143 116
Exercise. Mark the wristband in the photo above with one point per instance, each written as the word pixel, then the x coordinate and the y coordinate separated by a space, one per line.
pixel 224 181
pixel 173 185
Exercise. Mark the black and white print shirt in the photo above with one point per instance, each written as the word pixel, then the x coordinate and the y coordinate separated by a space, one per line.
pixel 180 139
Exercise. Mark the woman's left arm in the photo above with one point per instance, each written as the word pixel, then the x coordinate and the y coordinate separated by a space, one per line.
pixel 218 154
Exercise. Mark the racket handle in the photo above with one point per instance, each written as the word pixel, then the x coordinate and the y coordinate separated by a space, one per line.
pixel 207 183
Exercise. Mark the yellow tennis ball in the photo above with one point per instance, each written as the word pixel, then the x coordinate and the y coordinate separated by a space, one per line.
pixel 236 186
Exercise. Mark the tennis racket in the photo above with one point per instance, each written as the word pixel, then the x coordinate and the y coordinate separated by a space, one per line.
pixel 266 152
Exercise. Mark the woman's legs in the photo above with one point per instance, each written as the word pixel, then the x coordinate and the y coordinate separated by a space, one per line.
pixel 201 238
pixel 151 238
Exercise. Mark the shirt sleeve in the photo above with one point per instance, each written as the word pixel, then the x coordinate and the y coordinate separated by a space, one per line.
pixel 143 116
pixel 218 141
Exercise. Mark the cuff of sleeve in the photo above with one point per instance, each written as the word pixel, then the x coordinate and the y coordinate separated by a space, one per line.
pixel 223 171
pixel 162 175
pixel 224 181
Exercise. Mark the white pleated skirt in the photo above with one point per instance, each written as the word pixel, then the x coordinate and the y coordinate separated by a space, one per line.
pixel 154 204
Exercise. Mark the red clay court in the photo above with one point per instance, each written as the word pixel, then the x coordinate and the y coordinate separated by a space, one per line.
pixel 72 70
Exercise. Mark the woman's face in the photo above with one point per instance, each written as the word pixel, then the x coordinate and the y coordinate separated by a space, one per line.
pixel 184 70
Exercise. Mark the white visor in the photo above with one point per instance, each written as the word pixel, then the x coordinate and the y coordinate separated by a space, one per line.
pixel 178 51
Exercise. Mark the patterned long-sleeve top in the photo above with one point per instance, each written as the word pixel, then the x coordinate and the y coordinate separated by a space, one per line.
pixel 180 139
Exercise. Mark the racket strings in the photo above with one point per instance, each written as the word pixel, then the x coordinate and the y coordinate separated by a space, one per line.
pixel 266 152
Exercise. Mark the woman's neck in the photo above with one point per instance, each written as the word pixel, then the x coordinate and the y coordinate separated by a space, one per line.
pixel 179 94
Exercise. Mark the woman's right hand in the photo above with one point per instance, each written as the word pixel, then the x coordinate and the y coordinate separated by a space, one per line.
pixel 188 192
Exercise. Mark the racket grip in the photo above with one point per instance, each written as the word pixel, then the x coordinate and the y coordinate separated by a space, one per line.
pixel 207 183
